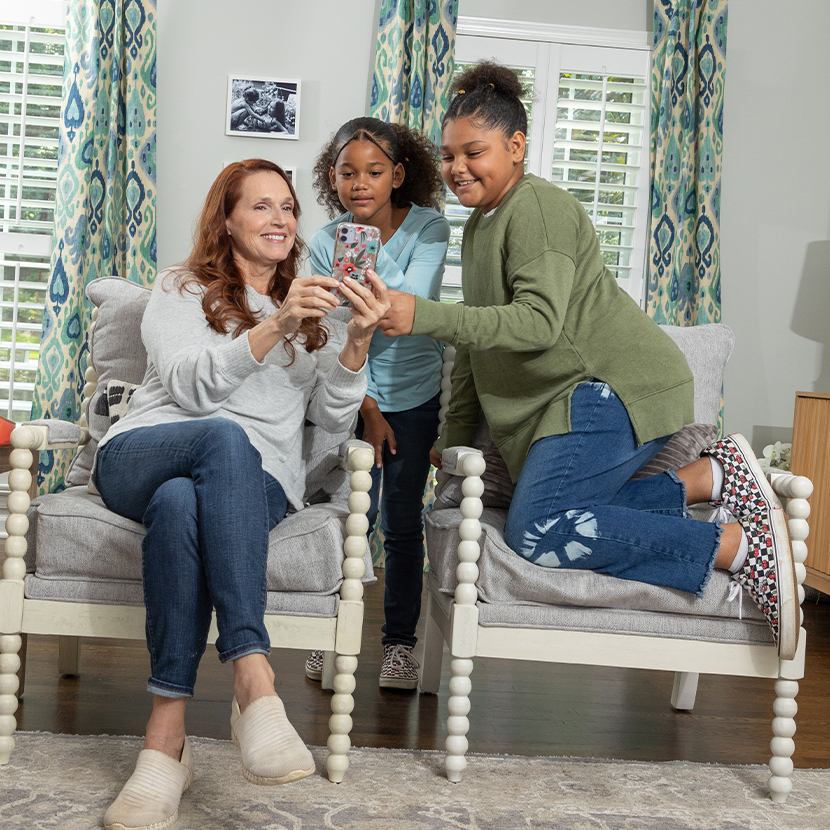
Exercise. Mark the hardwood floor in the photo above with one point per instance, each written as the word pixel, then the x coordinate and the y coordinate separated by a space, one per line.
pixel 517 708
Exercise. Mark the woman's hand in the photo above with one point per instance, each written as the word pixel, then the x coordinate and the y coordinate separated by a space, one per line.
pixel 376 429
pixel 401 315
pixel 307 297
pixel 368 307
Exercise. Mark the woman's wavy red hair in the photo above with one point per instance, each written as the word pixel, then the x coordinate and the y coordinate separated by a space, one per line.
pixel 212 265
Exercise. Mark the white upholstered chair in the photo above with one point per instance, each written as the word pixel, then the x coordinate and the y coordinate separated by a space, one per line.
pixel 73 568
pixel 485 601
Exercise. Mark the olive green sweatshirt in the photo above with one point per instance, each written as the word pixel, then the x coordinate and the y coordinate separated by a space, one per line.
pixel 542 314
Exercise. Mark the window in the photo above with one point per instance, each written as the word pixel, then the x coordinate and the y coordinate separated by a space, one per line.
pixel 588 114
pixel 31 81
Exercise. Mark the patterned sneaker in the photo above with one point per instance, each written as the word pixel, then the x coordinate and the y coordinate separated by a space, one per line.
pixel 399 669
pixel 314 666
pixel 769 576
pixel 746 490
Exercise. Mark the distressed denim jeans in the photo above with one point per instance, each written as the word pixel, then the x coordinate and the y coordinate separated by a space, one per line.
pixel 574 506
pixel 404 479
pixel 207 505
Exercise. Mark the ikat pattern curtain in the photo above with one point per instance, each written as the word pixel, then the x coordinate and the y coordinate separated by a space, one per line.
pixel 414 63
pixel 106 186
pixel 687 87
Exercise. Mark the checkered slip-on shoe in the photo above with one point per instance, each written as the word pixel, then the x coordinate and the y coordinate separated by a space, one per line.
pixel 314 666
pixel 399 669
pixel 769 576
pixel 746 489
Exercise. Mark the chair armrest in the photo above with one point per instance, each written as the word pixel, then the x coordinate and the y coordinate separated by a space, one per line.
pixel 461 461
pixel 48 435
pixel 469 463
pixel 356 455
pixel 795 490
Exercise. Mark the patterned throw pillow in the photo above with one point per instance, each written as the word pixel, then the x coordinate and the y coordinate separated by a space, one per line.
pixel 108 404
pixel 681 449
pixel 118 398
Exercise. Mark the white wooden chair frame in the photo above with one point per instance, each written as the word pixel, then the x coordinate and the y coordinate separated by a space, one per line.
pixel 686 658
pixel 340 635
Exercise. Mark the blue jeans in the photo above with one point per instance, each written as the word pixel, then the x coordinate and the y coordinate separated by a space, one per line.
pixel 207 505
pixel 574 506
pixel 404 480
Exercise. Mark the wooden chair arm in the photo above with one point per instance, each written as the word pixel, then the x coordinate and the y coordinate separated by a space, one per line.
pixel 357 457
pixel 35 437
pixel 795 490
pixel 469 463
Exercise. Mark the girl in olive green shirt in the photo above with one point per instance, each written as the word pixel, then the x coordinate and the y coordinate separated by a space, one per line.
pixel 579 387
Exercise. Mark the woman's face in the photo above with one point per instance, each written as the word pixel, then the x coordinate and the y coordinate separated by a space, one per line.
pixel 262 226
pixel 364 177
pixel 480 165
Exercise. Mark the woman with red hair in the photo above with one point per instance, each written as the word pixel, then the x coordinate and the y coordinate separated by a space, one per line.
pixel 209 459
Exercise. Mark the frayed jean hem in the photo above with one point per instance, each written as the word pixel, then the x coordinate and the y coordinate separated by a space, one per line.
pixel 673 476
pixel 711 565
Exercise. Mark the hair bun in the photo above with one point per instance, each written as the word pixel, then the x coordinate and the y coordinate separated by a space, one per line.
pixel 500 79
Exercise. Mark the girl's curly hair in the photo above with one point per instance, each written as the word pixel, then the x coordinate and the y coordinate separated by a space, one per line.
pixel 211 263
pixel 422 184
pixel 489 94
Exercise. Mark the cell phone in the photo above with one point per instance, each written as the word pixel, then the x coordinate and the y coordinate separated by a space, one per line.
pixel 355 250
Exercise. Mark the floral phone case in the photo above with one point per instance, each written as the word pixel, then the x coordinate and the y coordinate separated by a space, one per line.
pixel 355 249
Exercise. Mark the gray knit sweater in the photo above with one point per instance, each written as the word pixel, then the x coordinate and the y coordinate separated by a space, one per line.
pixel 194 372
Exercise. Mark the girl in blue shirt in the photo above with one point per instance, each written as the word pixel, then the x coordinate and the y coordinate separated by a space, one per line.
pixel 385 175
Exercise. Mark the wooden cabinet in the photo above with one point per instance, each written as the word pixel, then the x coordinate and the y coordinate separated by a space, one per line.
pixel 811 458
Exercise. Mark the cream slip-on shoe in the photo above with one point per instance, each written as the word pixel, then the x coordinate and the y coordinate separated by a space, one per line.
pixel 150 798
pixel 272 751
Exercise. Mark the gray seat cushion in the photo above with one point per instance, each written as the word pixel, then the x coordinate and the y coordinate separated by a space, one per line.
pixel 617 620
pixel 79 550
pixel 506 579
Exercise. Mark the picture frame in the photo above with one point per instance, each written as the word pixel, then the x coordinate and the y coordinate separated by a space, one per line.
pixel 263 107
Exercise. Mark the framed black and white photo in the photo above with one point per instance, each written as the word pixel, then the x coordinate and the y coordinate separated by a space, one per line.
pixel 263 107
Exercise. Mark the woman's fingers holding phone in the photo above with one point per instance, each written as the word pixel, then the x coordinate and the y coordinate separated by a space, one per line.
pixel 315 292
pixel 369 304
pixel 306 297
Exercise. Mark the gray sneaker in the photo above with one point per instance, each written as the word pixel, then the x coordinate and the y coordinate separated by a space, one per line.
pixel 399 669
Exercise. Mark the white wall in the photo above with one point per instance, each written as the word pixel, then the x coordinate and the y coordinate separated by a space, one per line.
pixel 775 227
pixel 775 224
pixel 200 42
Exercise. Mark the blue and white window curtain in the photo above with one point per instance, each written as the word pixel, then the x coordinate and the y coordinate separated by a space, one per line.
pixel 414 63
pixel 688 79
pixel 105 216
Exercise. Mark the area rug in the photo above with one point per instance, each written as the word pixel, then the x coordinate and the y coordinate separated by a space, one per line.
pixel 65 781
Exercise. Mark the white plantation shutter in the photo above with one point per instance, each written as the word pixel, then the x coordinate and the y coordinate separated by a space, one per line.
pixel 31 80
pixel 599 153
pixel 588 132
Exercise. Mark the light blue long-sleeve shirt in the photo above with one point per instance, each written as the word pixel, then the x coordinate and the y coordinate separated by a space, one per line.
pixel 402 372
